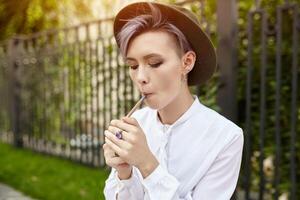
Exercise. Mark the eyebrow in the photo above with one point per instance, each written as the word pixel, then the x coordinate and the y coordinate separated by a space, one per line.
pixel 145 57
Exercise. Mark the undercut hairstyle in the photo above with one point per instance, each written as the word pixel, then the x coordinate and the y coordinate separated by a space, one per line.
pixel 150 22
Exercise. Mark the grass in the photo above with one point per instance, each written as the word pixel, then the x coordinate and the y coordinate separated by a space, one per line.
pixel 49 178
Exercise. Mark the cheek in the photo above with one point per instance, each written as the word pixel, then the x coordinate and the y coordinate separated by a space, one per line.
pixel 168 87
pixel 132 76
pixel 170 81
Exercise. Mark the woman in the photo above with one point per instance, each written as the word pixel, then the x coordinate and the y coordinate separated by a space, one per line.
pixel 175 147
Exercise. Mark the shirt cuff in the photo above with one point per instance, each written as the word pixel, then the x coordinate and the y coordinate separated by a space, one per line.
pixel 126 182
pixel 155 177
pixel 160 184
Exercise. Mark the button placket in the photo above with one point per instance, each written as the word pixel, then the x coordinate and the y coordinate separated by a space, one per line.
pixel 164 142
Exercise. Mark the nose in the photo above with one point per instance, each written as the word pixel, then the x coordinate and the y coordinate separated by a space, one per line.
pixel 142 75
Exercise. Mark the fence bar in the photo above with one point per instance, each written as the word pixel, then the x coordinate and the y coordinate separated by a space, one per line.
pixel 248 131
pixel 294 104
pixel 16 90
pixel 263 63
pixel 226 52
pixel 278 102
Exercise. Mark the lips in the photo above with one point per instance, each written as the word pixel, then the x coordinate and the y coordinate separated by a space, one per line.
pixel 147 94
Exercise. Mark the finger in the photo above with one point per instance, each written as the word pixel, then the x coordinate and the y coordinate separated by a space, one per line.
pixel 125 135
pixel 116 161
pixel 123 125
pixel 108 155
pixel 114 147
pixel 106 148
pixel 120 143
pixel 131 120
pixel 108 152
pixel 113 160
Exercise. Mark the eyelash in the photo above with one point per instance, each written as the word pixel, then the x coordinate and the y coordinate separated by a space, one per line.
pixel 156 64
pixel 153 65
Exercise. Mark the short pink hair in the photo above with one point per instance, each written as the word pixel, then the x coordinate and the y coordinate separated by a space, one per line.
pixel 150 22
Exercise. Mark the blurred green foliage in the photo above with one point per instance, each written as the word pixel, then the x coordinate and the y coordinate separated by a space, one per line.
pixel 29 16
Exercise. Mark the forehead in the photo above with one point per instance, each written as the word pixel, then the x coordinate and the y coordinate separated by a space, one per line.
pixel 159 42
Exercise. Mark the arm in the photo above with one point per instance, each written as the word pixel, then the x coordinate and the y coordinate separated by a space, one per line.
pixel 162 185
pixel 123 189
pixel 218 183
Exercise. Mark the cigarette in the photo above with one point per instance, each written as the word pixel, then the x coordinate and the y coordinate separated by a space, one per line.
pixel 136 106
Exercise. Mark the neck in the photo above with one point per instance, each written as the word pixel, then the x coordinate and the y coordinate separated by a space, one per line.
pixel 175 109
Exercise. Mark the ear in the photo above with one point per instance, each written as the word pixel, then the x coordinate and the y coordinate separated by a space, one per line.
pixel 188 61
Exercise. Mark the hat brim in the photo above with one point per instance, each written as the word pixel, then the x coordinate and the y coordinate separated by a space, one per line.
pixel 205 64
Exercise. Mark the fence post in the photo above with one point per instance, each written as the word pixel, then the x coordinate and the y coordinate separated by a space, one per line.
pixel 227 32
pixel 15 88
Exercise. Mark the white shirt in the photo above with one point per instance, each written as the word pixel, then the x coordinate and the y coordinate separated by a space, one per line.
pixel 199 155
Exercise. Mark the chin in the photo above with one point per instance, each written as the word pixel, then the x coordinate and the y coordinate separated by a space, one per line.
pixel 154 105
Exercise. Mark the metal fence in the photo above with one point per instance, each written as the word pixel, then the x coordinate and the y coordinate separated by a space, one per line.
pixel 272 108
pixel 60 88
pixel 64 86
pixel 67 87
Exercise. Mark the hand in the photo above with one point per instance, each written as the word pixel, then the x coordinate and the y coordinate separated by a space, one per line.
pixel 124 170
pixel 133 147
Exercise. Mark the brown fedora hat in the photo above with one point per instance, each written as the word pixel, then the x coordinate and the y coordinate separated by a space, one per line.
pixel 185 21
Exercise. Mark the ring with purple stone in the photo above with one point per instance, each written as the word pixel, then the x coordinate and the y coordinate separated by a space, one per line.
pixel 119 135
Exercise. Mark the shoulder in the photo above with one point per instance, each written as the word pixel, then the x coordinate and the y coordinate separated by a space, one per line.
pixel 219 126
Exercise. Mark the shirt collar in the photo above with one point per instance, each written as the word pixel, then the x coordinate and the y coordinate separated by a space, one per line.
pixel 194 108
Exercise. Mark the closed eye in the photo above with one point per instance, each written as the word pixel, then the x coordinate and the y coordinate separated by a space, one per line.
pixel 156 64
pixel 134 67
